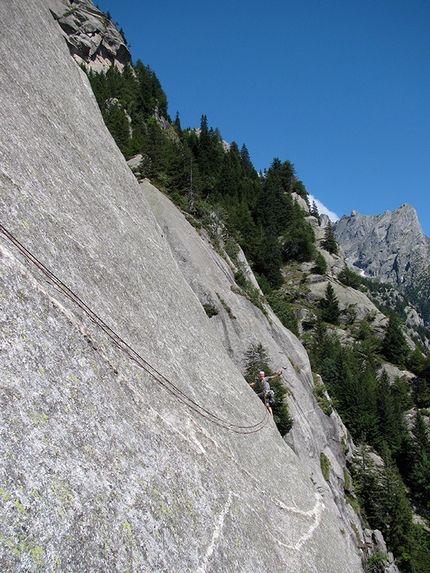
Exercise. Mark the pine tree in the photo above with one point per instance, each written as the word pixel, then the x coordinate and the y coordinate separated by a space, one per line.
pixel 394 346
pixel 387 419
pixel 315 213
pixel 349 278
pixel 155 160
pixel 320 267
pixel 330 306
pixel 272 260
pixel 274 207
pixel 177 124
pixel 117 123
pixel 329 242
pixel 383 500
pixel 420 473
pixel 256 359
pixel 395 516
pixel 299 238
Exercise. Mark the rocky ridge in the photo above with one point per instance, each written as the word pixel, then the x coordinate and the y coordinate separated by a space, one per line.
pixel 391 247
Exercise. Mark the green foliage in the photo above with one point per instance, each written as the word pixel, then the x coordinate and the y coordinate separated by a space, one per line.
pixel 349 278
pixel 383 501
pixel 249 289
pixel 284 312
pixel 330 306
pixel 417 472
pixel 418 293
pixel 421 392
pixel 314 212
pixel 373 409
pixel 298 241
pixel 320 393
pixel 329 242
pixel 416 361
pixel 194 168
pixel 137 92
pixel 117 123
pixel 390 405
pixel 70 12
pixel 320 267
pixel 364 331
pixel 281 415
pixel 350 379
pixel 256 359
pixel 210 310
pixel 394 346
pixel 376 563
pixel 232 249
pixel 325 466
pixel 420 549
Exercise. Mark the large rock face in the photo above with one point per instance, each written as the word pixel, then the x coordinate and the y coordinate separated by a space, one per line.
pixel 391 246
pixel 130 440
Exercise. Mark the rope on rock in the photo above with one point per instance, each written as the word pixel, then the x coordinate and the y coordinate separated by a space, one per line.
pixel 127 349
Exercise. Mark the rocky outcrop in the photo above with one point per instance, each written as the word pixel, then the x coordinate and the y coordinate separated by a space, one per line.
pixel 392 247
pixel 93 39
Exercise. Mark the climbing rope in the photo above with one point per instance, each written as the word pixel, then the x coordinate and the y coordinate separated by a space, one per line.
pixel 131 353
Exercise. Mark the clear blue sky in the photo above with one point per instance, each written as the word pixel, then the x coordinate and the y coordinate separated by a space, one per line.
pixel 338 87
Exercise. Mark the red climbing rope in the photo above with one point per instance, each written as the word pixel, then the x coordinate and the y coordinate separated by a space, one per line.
pixel 131 353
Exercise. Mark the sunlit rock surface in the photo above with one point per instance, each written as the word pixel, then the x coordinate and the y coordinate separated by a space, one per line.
pixel 129 437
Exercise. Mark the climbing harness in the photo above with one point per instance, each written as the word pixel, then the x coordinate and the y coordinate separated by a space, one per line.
pixel 131 353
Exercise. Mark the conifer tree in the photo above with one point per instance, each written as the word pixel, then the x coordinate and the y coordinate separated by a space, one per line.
pixel 329 242
pixel 330 306
pixel 349 278
pixel 177 124
pixel 256 359
pixel 299 237
pixel 387 419
pixel 117 123
pixel 272 260
pixel 319 344
pixel 382 497
pixel 394 346
pixel 420 473
pixel 315 213
pixel 248 168
pixel 320 267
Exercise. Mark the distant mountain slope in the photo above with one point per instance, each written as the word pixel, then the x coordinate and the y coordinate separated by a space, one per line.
pixel 393 247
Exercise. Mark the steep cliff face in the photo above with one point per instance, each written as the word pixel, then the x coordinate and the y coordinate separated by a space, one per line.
pixel 129 437
pixel 391 246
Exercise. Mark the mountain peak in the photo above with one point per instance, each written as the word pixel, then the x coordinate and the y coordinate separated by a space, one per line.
pixel 391 246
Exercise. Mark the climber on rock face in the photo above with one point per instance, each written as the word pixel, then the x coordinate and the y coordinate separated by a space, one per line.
pixel 267 394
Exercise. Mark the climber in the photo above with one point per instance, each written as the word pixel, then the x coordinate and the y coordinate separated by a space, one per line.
pixel 267 394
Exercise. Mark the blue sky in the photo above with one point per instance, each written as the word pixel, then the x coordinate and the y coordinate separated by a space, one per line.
pixel 338 87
